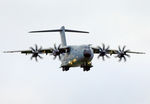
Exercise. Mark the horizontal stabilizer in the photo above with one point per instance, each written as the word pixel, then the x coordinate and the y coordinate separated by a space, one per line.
pixel 67 30
pixel 59 30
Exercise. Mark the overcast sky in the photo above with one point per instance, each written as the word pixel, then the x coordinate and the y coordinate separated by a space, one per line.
pixel 113 22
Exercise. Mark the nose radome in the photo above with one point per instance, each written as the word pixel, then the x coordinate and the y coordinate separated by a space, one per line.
pixel 87 53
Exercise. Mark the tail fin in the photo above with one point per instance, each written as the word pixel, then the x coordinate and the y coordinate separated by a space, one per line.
pixel 62 31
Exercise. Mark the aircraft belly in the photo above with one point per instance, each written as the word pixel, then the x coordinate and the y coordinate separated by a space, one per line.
pixel 79 63
pixel 74 61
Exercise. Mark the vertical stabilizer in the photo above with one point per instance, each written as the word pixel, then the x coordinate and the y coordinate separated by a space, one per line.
pixel 63 36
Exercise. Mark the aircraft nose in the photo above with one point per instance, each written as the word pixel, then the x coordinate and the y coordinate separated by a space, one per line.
pixel 87 53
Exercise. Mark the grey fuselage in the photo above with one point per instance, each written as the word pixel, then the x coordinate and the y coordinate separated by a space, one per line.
pixel 77 56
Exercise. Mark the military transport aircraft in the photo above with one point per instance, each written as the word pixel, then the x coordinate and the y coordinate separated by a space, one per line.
pixel 73 55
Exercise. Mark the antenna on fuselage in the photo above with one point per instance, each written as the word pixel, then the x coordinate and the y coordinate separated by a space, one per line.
pixel 62 31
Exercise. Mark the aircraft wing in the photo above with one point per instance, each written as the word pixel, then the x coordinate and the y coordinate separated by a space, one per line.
pixel 35 52
pixel 42 51
pixel 113 51
pixel 121 53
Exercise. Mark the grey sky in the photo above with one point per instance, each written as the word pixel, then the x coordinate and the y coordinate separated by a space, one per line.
pixel 114 22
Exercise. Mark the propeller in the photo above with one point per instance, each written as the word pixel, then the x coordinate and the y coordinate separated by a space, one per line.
pixel 122 53
pixel 103 52
pixel 36 52
pixel 56 51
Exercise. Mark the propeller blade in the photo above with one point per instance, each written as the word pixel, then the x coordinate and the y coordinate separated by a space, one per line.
pixel 40 48
pixel 59 46
pixel 123 48
pixel 59 57
pixel 127 55
pixel 103 46
pixel 54 58
pixel 55 46
pixel 107 48
pixel 100 48
pixel 36 47
pixel 119 48
pixel 31 57
pixel 40 57
pixel 127 51
pixel 103 58
pixel 125 59
pixel 32 49
pixel 107 56
pixel 99 56
pixel 120 59
pixel 36 59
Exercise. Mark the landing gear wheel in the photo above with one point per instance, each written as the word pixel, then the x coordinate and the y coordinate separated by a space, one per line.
pixel 65 68
pixel 86 68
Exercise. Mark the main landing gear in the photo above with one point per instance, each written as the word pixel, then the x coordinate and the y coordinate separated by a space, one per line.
pixel 65 68
pixel 86 66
